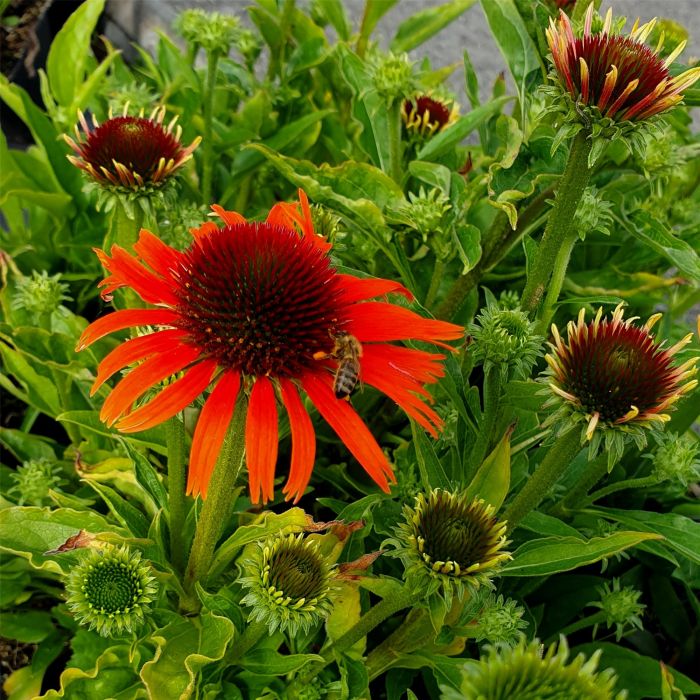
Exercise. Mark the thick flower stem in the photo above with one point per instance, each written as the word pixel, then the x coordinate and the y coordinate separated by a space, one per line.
pixel 491 400
pixel 576 176
pixel 175 436
pixel 207 145
pixel 555 462
pixel 252 634
pixel 561 263
pixel 123 230
pixel 394 116
pixel 640 483
pixel 435 281
pixel 593 473
pixel 217 506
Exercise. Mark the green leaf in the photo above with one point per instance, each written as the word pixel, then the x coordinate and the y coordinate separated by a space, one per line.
pixel 467 241
pixel 678 532
pixel 292 520
pixel 40 390
pixel 645 227
pixel 70 51
pixel 129 516
pixel 421 25
pixel 544 524
pixel 153 439
pixel 492 481
pixel 335 14
pixel 267 662
pixel 25 446
pixel 432 473
pixel 551 555
pixel 112 677
pixel 518 49
pixel 29 532
pixel 374 11
pixel 433 174
pixel 148 477
pixel 28 626
pixel 183 648
pixel 639 675
pixel 457 132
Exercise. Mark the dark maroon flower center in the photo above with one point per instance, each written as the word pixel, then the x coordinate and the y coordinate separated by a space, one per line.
pixel 616 368
pixel 135 142
pixel 259 298
pixel 437 112
pixel 633 60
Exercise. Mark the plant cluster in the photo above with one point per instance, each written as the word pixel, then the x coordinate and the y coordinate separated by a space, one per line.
pixel 326 382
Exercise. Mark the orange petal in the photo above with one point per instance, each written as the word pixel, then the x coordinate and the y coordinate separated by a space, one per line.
pixel 173 399
pixel 357 289
pixel 303 442
pixel 126 318
pixel 157 255
pixel 127 271
pixel 378 321
pixel 141 379
pixel 210 432
pixel 230 218
pixel 134 350
pixel 350 428
pixel 261 440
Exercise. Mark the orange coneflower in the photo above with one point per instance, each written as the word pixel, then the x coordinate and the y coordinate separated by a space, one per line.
pixel 614 376
pixel 620 75
pixel 130 152
pixel 258 307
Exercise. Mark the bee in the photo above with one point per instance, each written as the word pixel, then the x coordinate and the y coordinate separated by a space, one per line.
pixel 347 351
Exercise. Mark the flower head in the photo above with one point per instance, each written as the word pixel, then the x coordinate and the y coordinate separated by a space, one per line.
pixel 130 153
pixel 500 621
pixel 613 375
pixel 33 481
pixel 424 115
pixel 450 542
pixel 618 75
pixel 676 459
pixel 258 307
pixel 620 607
pixel 288 583
pixel 527 672
pixel 111 590
pixel 213 31
pixel 41 293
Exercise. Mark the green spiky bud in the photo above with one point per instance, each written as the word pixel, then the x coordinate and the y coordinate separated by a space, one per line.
pixel 620 607
pixel 450 543
pixel 504 338
pixel 134 95
pixel 676 459
pixel 111 590
pixel 41 293
pixel 392 75
pixel 326 223
pixel 33 481
pixel 526 672
pixel 424 211
pixel 289 584
pixel 249 46
pixel 499 621
pixel 213 31
pixel 593 214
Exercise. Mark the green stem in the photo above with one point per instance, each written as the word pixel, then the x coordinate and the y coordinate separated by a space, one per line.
pixel 573 182
pixel 252 634
pixel 594 619
pixel 177 503
pixel 30 416
pixel 640 483
pixel 561 263
pixel 123 230
pixel 555 462
pixel 593 473
pixel 435 281
pixel 217 506
pixel 207 144
pixel 365 30
pixel 395 170
pixel 487 426
pixel 243 194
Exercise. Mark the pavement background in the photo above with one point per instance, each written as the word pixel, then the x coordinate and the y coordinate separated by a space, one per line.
pixel 144 17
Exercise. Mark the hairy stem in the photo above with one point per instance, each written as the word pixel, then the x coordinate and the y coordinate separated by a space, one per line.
pixel 573 182
pixel 487 426
pixel 555 462
pixel 394 116
pixel 435 281
pixel 593 473
pixel 207 145
pixel 640 483
pixel 561 263
pixel 177 504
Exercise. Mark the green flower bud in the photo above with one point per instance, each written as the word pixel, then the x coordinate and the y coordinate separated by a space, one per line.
pixel 621 608
pixel 40 293
pixel 392 75
pixel 504 338
pixel 249 46
pixel 450 543
pixel 527 672
pixel 289 584
pixel 593 214
pixel 212 31
pixel 425 211
pixel 111 590
pixel 676 459
pixel 499 621
pixel 134 95
pixel 33 480
pixel 326 223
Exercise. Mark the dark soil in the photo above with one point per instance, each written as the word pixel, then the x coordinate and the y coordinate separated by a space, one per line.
pixel 14 655
pixel 17 33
